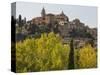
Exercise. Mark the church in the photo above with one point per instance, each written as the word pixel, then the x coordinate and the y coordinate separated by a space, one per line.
pixel 50 18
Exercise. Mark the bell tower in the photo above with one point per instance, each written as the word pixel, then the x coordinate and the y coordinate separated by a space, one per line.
pixel 43 13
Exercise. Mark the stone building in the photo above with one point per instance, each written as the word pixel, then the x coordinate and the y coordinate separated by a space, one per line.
pixel 50 18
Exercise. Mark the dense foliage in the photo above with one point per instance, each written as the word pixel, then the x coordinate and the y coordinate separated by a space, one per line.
pixel 80 33
pixel 87 57
pixel 41 54
pixel 48 53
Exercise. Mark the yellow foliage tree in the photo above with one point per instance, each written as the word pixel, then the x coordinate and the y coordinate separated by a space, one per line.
pixel 87 57
pixel 42 54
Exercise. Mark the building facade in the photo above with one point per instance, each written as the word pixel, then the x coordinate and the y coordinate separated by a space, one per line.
pixel 50 18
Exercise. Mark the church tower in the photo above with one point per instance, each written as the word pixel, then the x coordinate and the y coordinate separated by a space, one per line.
pixel 62 13
pixel 43 13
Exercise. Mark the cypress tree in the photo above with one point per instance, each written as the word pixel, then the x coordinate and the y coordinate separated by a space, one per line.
pixel 71 56
pixel 20 21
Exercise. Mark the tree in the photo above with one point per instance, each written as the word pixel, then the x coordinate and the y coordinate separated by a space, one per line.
pixel 20 21
pixel 87 57
pixel 42 54
pixel 71 56
pixel 24 20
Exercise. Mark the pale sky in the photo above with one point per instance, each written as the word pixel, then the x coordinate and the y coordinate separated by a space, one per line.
pixel 86 14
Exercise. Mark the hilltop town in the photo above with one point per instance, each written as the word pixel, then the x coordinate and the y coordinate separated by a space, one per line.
pixel 59 24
